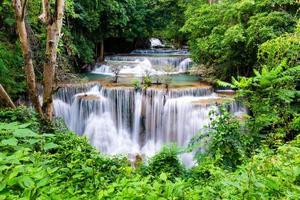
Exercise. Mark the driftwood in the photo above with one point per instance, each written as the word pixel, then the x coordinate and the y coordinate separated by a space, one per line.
pixel 4 96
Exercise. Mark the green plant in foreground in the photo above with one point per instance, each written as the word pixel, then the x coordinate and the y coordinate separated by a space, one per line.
pixel 166 161
pixel 272 98
pixel 64 166
pixel 223 140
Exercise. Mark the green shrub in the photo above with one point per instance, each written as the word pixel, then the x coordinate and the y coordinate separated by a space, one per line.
pixel 136 84
pixel 147 81
pixel 224 140
pixel 20 114
pixel 62 165
pixel 272 98
pixel 10 63
pixel 166 161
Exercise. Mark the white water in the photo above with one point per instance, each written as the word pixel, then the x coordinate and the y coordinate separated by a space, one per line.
pixel 145 65
pixel 130 122
pixel 184 65
pixel 149 61
pixel 137 117
pixel 155 42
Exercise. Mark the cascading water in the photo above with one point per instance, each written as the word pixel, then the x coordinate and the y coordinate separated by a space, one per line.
pixel 123 120
pixel 129 121
pixel 155 42
pixel 137 116
pixel 153 61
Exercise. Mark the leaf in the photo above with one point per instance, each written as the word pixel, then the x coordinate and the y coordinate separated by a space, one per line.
pixel 33 141
pixel 10 127
pixel 10 142
pixel 27 182
pixel 259 185
pixel 2 185
pixel 43 182
pixel 163 177
pixel 24 133
pixel 49 146
pixel 3 167
pixel 24 125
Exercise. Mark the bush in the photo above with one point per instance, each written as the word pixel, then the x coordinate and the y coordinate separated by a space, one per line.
pixel 10 63
pixel 35 165
pixel 51 166
pixel 147 81
pixel 20 114
pixel 136 84
pixel 272 98
pixel 224 141
pixel 166 161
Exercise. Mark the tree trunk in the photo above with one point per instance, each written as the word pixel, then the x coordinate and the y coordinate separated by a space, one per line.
pixel 101 53
pixel 54 24
pixel 26 50
pixel 6 98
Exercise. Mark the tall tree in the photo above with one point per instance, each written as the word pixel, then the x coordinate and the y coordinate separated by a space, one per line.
pixel 53 21
pixel 52 18
pixel 20 12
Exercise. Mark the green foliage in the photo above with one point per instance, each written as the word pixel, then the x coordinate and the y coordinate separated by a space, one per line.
pixel 20 114
pixel 254 159
pixel 227 35
pixel 267 175
pixel 136 84
pixel 52 165
pixel 10 63
pixel 272 98
pixel 285 47
pixel 147 81
pixel 224 141
pixel 166 161
pixel 64 166
pixel 168 19
pixel 92 22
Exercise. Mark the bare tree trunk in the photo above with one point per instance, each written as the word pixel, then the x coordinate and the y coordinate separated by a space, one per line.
pixel 101 56
pixel 20 10
pixel 54 24
pixel 6 98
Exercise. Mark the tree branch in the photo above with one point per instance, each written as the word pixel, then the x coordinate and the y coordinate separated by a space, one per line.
pixel 23 9
pixel 6 98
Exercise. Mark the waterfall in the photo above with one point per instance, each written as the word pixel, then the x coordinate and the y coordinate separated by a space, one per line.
pixel 174 52
pixel 140 62
pixel 122 120
pixel 184 65
pixel 137 116
pixel 155 42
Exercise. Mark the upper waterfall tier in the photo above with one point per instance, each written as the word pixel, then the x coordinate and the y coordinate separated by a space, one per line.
pixel 123 120
pixel 174 52
pixel 148 61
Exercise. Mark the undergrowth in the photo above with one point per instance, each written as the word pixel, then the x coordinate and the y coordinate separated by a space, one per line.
pixel 61 165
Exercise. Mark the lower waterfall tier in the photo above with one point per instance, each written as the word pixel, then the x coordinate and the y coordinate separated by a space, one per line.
pixel 121 120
